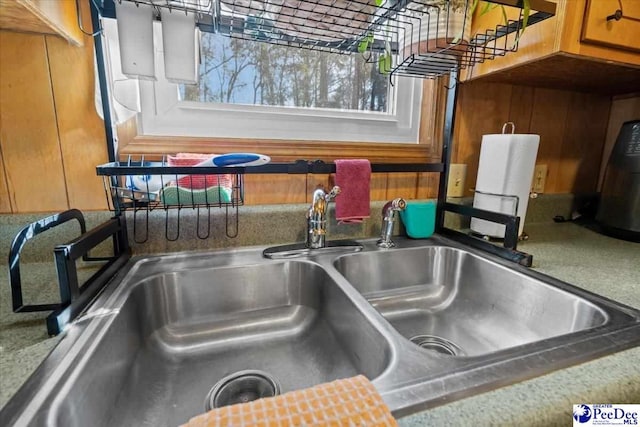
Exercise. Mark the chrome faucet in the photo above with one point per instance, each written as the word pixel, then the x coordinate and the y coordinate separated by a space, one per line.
pixel 317 217
pixel 388 216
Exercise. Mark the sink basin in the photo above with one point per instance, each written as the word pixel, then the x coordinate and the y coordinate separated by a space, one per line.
pixel 451 301
pixel 172 336
pixel 428 321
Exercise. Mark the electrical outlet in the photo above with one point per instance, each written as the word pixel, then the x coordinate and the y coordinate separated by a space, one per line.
pixel 539 179
pixel 457 178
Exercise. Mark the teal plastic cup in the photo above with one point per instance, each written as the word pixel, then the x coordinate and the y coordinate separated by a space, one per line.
pixel 419 219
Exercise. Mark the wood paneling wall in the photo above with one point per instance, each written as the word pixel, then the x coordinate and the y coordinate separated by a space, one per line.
pixel 279 189
pixel 29 133
pixel 51 138
pixel 572 128
pixel 80 130
pixel 5 200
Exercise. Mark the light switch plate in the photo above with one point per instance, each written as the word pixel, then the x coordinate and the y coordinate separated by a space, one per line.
pixel 457 180
pixel 539 178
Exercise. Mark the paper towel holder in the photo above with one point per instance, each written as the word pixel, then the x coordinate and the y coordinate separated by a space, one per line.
pixel 506 159
pixel 515 198
pixel 513 127
pixel 505 196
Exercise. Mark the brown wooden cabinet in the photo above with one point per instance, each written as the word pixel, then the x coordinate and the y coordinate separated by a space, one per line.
pixel 58 17
pixel 615 24
pixel 577 49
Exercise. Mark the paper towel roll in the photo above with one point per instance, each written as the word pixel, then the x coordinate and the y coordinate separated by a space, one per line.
pixel 506 167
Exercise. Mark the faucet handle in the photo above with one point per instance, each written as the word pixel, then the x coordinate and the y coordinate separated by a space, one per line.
pixel 316 217
pixel 332 194
pixel 388 217
pixel 395 205
pixel 398 204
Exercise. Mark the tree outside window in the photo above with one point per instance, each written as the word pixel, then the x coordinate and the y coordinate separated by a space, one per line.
pixel 240 71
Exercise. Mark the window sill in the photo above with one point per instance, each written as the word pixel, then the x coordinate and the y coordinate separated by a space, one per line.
pixel 283 150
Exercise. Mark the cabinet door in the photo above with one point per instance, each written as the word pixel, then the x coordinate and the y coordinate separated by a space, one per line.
pixel 621 33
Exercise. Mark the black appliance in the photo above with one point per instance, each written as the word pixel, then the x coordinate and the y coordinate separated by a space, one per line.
pixel 619 208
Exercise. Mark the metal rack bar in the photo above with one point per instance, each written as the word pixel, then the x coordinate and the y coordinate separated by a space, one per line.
pixel 20 240
pixel 66 255
pixel 513 255
pixel 447 145
pixel 511 222
pixel 298 167
pixel 513 197
pixel 102 81
pixel 74 297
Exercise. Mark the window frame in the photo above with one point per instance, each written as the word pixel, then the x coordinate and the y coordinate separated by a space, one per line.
pixel 162 113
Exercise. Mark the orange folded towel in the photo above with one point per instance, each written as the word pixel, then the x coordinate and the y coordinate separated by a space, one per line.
pixel 347 402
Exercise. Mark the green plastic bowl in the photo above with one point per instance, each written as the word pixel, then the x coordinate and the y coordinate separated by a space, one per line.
pixel 419 219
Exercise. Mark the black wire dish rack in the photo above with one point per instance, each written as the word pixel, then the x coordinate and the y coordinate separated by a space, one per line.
pixel 418 38
pixel 168 185
pixel 141 186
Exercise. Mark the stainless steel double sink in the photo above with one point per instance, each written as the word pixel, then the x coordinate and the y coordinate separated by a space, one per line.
pixel 428 322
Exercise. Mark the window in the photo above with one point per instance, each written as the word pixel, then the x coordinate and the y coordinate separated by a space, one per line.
pixel 246 72
pixel 261 91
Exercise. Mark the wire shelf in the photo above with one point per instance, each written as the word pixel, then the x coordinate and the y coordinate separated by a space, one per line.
pixel 205 7
pixel 204 10
pixel 336 26
pixel 171 184
pixel 438 57
pixel 419 38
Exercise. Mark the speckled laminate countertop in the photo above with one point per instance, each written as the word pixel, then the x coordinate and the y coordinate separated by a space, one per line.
pixel 600 264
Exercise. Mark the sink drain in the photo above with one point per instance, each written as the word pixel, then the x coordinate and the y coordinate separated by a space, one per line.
pixel 437 344
pixel 241 387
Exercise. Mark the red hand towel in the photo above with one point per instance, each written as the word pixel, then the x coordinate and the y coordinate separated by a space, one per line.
pixel 353 177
